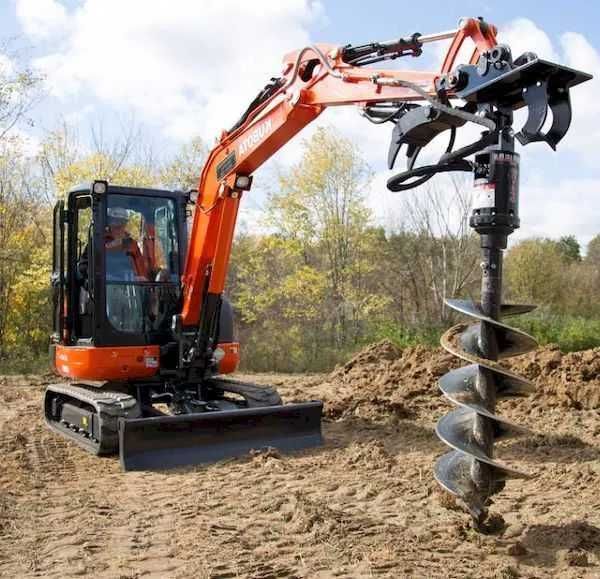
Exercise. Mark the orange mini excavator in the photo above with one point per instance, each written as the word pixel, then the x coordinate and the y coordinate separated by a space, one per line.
pixel 142 330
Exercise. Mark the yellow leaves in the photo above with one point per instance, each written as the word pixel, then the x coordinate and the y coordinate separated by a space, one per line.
pixel 303 292
pixel 324 193
pixel 29 311
pixel 541 272
pixel 25 246
pixel 68 167
pixel 534 271
pixel 183 171
pixel 101 166
pixel 311 285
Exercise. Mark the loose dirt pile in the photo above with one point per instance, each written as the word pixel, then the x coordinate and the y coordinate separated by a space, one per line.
pixel 567 380
pixel 363 505
pixel 383 381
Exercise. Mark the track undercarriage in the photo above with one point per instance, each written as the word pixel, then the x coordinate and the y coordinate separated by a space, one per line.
pixel 165 426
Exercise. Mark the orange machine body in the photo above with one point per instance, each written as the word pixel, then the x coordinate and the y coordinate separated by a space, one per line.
pixel 126 363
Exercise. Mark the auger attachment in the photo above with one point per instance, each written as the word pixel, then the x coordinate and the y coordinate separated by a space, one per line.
pixel 471 471
pixel 492 86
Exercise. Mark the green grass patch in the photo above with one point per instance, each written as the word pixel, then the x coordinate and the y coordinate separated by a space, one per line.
pixel 403 336
pixel 571 333
pixel 24 365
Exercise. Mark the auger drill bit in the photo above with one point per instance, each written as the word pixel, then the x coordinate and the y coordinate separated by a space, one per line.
pixel 471 471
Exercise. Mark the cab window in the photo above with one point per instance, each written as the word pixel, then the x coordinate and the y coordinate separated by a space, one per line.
pixel 141 262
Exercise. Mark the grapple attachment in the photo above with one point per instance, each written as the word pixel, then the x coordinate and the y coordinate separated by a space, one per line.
pixel 529 81
pixel 189 439
pixel 492 89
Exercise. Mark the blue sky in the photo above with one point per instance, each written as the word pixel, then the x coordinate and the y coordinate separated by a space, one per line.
pixel 184 68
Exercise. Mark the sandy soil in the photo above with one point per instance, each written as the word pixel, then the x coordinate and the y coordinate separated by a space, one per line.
pixel 363 505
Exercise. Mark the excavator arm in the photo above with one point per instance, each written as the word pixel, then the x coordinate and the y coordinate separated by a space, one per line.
pixel 314 78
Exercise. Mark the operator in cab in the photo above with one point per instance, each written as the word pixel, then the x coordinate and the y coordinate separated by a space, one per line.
pixel 124 261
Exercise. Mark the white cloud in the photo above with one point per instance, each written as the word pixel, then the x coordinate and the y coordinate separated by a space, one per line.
pixel 576 52
pixel 189 67
pixel 41 19
pixel 523 35
pixel 568 207
pixel 584 135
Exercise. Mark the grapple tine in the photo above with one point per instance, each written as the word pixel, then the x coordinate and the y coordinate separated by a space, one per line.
pixel 539 98
pixel 536 99
pixel 560 105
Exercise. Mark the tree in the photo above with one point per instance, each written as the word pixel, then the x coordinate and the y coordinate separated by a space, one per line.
pixel 435 253
pixel 570 248
pixel 321 205
pixel 66 162
pixel 279 304
pixel 535 272
pixel 18 90
pixel 593 251
pixel 24 255
pixel 183 170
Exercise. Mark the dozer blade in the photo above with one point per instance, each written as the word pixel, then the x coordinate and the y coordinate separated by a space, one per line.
pixel 173 441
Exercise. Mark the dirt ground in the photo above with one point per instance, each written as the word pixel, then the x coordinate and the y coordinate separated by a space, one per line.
pixel 363 505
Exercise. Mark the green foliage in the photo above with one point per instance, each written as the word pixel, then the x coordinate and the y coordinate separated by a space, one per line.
pixel 25 363
pixel 24 258
pixel 323 282
pixel 570 248
pixel 404 336
pixel 535 272
pixel 593 251
pixel 307 292
pixel 571 333
pixel 30 315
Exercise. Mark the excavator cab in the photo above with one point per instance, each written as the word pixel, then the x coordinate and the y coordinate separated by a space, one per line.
pixel 118 257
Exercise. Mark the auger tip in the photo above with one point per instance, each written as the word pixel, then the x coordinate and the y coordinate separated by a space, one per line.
pixel 489 523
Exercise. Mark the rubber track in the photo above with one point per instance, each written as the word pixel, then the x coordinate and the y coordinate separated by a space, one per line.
pixel 109 407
